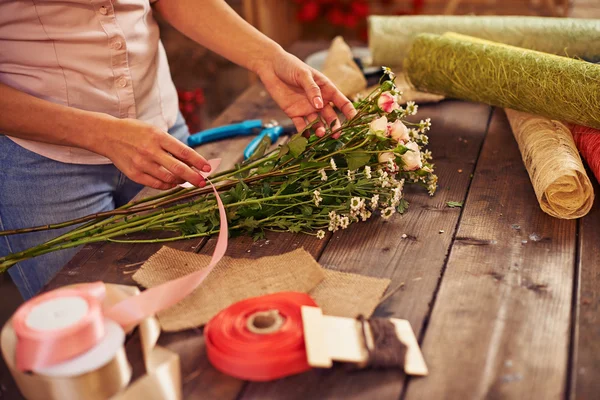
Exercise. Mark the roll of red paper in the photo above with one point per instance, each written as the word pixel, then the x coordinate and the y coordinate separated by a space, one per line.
pixel 587 141
pixel 259 356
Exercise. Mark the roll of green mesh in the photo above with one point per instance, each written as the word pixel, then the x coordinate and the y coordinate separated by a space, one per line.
pixel 473 69
pixel 390 37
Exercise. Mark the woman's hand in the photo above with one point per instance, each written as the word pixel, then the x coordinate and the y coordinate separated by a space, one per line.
pixel 302 92
pixel 150 156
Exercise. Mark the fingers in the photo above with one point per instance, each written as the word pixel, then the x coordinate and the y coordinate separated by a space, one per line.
pixel 337 98
pixel 319 128
pixel 331 117
pixel 150 181
pixel 299 123
pixel 312 90
pixel 185 154
pixel 180 170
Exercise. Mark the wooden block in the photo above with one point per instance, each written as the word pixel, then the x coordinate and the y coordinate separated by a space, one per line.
pixel 340 339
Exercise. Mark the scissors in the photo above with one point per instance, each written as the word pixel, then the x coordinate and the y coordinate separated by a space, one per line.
pixel 271 130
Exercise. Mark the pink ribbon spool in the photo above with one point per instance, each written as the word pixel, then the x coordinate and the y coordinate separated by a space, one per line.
pixel 38 347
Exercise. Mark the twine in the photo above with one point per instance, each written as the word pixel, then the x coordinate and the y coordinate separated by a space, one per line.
pixel 559 180
pixel 390 37
pixel 386 350
pixel 510 77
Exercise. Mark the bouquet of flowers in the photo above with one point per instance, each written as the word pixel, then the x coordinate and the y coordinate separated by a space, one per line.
pixel 310 185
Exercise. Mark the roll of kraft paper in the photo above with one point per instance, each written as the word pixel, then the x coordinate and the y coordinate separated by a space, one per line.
pixel 390 37
pixel 588 143
pixel 559 180
pixel 474 69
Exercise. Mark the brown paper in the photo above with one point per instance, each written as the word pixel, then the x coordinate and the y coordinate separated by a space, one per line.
pixel 341 69
pixel 343 294
pixel 338 293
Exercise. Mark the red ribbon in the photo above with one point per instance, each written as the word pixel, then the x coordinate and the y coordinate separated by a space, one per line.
pixel 235 351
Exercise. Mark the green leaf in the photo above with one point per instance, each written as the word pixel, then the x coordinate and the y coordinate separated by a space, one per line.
pixel 357 159
pixel 262 147
pixel 306 210
pixel 258 235
pixel 283 150
pixel 402 206
pixel 454 204
pixel 297 144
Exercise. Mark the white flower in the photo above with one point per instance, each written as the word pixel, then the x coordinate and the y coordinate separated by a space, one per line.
pixel 391 166
pixel 412 158
pixel 365 215
pixel 374 201
pixel 388 212
pixel 424 125
pixel 333 166
pixel 344 222
pixel 367 172
pixel 356 203
pixel 388 71
pixel 320 234
pixel 333 221
pixel 399 131
pixel 317 197
pixel 379 127
pixel 323 174
pixel 351 175
pixel 411 108
pixel 385 157
pixel 426 155
pixel 387 102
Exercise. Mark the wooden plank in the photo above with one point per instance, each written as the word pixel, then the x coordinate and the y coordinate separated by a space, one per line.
pixel 500 325
pixel 376 248
pixel 585 368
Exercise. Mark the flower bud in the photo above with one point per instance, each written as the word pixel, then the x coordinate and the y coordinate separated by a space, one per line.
pixel 385 157
pixel 387 102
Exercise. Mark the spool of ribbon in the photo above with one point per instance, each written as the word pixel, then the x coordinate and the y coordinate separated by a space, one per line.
pixel 588 144
pixel 270 337
pixel 71 339
pixel 260 338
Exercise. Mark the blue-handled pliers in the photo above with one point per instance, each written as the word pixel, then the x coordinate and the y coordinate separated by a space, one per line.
pixel 273 130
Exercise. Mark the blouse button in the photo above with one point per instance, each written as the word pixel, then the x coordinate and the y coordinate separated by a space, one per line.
pixel 103 10
pixel 121 82
pixel 117 44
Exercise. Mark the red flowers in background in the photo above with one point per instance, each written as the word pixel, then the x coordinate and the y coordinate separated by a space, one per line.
pixel 339 13
pixel 190 104
pixel 352 14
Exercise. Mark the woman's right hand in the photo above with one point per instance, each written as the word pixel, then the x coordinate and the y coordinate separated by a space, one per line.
pixel 150 156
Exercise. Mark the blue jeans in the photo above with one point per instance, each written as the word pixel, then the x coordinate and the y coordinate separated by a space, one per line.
pixel 35 190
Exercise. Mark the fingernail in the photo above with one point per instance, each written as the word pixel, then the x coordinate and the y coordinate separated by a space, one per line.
pixel 318 102
pixel 320 132
pixel 206 168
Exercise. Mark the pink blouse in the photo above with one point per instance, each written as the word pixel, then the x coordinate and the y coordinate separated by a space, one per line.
pixel 97 55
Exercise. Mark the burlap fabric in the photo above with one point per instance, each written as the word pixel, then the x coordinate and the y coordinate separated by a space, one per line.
pixel 232 280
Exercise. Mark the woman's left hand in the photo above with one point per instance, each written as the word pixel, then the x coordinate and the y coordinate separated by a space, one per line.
pixel 303 92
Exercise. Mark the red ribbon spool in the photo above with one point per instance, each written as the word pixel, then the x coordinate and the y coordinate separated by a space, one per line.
pixel 237 351
pixel 587 141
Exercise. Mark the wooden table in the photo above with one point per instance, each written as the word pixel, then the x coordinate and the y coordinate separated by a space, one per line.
pixel 504 299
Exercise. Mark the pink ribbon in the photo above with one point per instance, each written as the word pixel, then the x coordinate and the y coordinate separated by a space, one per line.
pixel 39 349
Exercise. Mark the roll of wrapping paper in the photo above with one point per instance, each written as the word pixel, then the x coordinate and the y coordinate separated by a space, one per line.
pixel 588 143
pixel 473 69
pixel 235 350
pixel 390 37
pixel 559 180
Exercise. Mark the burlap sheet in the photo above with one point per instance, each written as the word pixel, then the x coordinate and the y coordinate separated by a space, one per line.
pixel 232 280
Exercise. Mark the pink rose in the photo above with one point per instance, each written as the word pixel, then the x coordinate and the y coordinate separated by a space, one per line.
pixel 387 102
pixel 379 126
pixel 399 131
pixel 412 159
